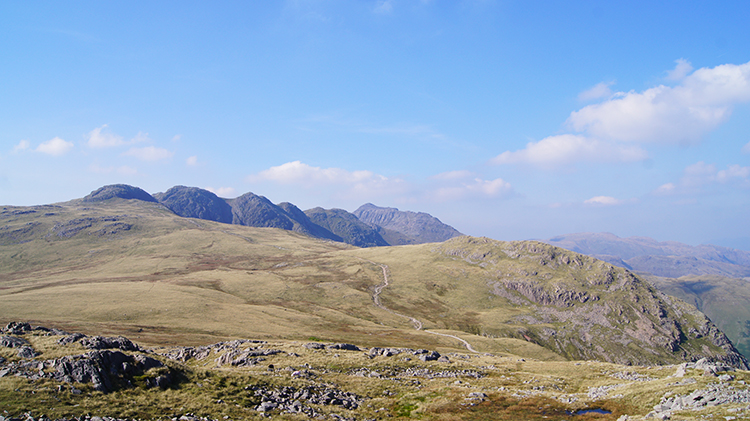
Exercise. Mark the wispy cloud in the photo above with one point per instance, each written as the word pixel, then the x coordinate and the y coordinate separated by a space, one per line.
pixel 682 69
pixel 700 175
pixel 383 7
pixel 746 148
pixel 603 201
pixel 598 91
pixel 475 188
pixel 21 146
pixel 346 183
pixel 566 149
pixel 149 153
pixel 102 137
pixel 192 161
pixel 55 146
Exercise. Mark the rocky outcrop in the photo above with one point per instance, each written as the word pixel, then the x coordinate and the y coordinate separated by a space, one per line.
pixel 104 370
pixel 583 308
pixel 418 227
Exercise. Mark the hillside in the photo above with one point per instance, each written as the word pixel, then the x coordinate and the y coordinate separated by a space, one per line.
pixel 131 266
pixel 509 321
pixel 714 279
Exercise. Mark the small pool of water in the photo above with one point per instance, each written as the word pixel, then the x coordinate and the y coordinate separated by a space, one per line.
pixel 591 411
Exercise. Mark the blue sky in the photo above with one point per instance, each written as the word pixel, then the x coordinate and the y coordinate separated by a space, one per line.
pixel 507 119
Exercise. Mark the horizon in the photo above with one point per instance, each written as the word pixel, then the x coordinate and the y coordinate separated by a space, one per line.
pixel 501 119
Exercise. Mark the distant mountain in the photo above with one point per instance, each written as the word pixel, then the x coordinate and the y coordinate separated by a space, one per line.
pixel 192 202
pixel 347 226
pixel 668 258
pixel 305 225
pixel 417 227
pixel 121 191
pixel 252 210
pixel 369 226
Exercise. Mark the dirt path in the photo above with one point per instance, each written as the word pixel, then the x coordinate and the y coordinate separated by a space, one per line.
pixel 417 323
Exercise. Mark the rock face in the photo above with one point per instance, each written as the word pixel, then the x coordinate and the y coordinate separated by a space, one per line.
pixel 418 227
pixel 192 202
pixel 121 191
pixel 583 308
pixel 347 226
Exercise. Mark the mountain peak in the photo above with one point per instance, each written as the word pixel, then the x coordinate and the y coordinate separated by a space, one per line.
pixel 421 227
pixel 121 191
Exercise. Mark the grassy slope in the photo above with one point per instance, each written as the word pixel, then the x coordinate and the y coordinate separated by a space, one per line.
pixel 134 268
pixel 178 280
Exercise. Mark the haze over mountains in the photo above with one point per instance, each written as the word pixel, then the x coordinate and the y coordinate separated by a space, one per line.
pixel 668 258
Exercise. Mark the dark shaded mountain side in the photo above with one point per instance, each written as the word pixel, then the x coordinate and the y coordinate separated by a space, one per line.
pixel 252 210
pixel 347 226
pixel 304 225
pixel 420 226
pixel 192 202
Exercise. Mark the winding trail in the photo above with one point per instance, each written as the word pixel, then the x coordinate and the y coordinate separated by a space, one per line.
pixel 416 322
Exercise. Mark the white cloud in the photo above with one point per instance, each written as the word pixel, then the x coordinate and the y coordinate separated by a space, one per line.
pixel 222 191
pixel 457 185
pixel 383 7
pixel 603 201
pixel 149 153
pixel 101 137
pixel 22 146
pixel 665 189
pixel 176 138
pixel 746 148
pixel 297 172
pixel 98 138
pixel 681 70
pixel 354 183
pixel 55 146
pixel 598 91
pixel 680 114
pixel 192 160
pixel 567 149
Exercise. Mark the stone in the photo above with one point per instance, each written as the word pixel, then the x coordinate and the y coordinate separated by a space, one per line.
pixel 13 342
